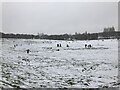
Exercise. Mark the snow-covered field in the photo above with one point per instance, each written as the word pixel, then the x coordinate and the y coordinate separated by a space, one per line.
pixel 70 67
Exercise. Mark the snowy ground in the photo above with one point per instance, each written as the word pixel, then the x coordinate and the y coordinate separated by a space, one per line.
pixel 71 67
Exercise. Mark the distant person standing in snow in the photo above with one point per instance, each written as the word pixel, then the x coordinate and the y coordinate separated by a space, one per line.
pixel 67 45
pixel 60 45
pixel 85 45
pixel 28 51
pixel 57 45
pixel 14 45
pixel 89 46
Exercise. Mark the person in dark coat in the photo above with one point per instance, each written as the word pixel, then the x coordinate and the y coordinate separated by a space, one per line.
pixel 57 45
pixel 14 45
pixel 28 51
pixel 60 45
pixel 85 45
pixel 67 45
pixel 89 46
pixel 58 50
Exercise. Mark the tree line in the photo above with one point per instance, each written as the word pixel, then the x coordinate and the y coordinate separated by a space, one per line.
pixel 18 36
pixel 70 37
pixel 106 34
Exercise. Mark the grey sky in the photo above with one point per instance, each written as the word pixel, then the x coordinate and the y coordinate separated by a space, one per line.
pixel 58 17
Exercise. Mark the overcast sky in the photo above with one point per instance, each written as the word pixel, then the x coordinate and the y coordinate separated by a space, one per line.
pixel 58 17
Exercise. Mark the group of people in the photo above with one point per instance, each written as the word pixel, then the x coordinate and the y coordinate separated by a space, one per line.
pixel 15 45
pixel 59 45
pixel 88 46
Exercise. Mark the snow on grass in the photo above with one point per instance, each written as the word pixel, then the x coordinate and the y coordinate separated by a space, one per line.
pixel 70 67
